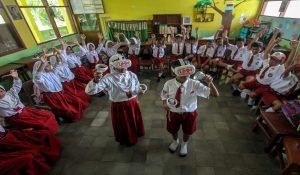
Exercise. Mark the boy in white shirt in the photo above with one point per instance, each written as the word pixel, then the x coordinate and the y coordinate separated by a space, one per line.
pixel 204 55
pixel 158 53
pixel 184 90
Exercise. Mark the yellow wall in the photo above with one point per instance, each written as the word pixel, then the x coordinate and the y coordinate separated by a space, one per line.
pixel 21 27
pixel 144 9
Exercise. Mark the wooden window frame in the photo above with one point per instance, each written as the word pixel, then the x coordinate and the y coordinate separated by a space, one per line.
pixel 17 37
pixel 46 6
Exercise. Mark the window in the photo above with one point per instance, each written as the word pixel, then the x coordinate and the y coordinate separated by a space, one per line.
pixel 293 10
pixel 47 19
pixel 88 22
pixel 272 8
pixel 9 39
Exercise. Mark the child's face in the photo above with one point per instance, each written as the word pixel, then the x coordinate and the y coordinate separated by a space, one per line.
pixel 69 50
pixel 2 93
pixel 178 39
pixel 273 63
pixel 239 44
pixel 219 42
pixel 132 42
pixel 255 50
pixel 110 45
pixel 48 68
pixel 208 45
pixel 159 43
pixel 104 57
pixel 91 47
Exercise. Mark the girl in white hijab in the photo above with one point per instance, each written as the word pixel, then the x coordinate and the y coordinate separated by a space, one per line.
pixel 133 51
pixel 63 104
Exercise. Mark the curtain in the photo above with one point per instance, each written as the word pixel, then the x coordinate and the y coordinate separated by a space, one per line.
pixel 128 28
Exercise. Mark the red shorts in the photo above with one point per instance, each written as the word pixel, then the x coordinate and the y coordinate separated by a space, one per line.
pixel 159 61
pixel 247 73
pixel 186 119
pixel 270 96
pixel 258 88
pixel 237 64
pixel 203 59
pixel 175 57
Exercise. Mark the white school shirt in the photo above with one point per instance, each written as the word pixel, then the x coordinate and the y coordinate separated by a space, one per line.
pixel 110 51
pixel 10 104
pixel 161 51
pixel 189 91
pixel 73 58
pixel 48 81
pixel 257 61
pixel 64 72
pixel 220 51
pixel 175 48
pixel 2 130
pixel 188 48
pixel 272 75
pixel 284 85
pixel 91 55
pixel 240 52
pixel 117 84
pixel 134 49
pixel 209 52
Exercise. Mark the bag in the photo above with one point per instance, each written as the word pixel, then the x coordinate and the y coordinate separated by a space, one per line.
pixel 291 110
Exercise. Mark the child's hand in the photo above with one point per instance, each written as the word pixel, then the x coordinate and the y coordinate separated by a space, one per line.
pixel 14 74
pixel 116 35
pixel 75 41
pixel 100 36
pixel 82 36
pixel 44 58
pixel 137 34
pixel 208 79
pixel 166 107
pixel 294 44
pixel 44 48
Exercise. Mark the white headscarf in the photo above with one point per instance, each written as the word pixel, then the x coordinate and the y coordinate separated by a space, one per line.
pixel 88 46
pixel 134 40
pixel 1 87
pixel 46 81
pixel 107 42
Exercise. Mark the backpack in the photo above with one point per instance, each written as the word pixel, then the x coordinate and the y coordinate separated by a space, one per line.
pixel 291 110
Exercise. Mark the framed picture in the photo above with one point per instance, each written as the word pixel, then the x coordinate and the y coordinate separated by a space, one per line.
pixel 14 12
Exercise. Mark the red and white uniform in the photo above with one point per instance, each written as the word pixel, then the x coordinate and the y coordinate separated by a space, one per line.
pixel 205 53
pixel 133 52
pixel 177 50
pixel 126 115
pixel 158 54
pixel 21 117
pixel 191 49
pixel 271 74
pixel 237 55
pixel 185 113
pixel 219 51
pixel 251 64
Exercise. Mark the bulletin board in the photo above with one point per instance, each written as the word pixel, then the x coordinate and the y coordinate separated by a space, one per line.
pixel 289 26
pixel 87 6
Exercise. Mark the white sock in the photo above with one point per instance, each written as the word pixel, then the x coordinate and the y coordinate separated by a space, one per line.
pixel 183 148
pixel 251 101
pixel 160 74
pixel 270 109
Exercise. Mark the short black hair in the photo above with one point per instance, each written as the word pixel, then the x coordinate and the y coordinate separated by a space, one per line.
pixel 240 39
pixel 209 41
pixel 257 44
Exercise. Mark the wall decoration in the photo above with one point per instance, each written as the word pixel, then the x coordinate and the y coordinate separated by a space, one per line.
pixel 14 12
pixel 87 6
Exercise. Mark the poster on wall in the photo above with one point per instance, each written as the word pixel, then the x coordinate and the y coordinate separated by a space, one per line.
pixel 14 12
pixel 87 6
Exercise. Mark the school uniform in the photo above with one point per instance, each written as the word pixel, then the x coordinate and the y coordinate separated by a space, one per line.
pixel 191 49
pixel 237 55
pixel 18 116
pixel 126 115
pixel 82 73
pixel 177 51
pixel 185 113
pixel 218 51
pixel 110 51
pixel 282 89
pixel 205 53
pixel 158 54
pixel 71 85
pixel 43 141
pixel 63 104
pixel 265 77
pixel 92 56
pixel 251 64
pixel 133 52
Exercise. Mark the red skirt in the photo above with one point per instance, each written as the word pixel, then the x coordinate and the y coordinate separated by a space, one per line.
pixel 83 74
pixel 159 61
pixel 77 90
pixel 29 162
pixel 33 118
pixel 64 105
pixel 134 63
pixel 42 141
pixel 127 121
pixel 175 57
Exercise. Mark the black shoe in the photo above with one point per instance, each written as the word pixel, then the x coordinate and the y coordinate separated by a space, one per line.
pixel 158 79
pixel 236 93
pixel 162 76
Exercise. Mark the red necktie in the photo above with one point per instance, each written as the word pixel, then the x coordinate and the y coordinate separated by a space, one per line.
pixel 262 75
pixel 177 96
pixel 205 52
pixel 191 49
pixel 235 53
pixel 250 61
pixel 95 59
pixel 157 56
pixel 178 49
pixel 216 51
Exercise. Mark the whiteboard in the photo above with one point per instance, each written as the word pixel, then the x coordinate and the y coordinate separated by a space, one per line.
pixel 87 6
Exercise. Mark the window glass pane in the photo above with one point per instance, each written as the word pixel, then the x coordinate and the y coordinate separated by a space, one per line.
pixel 30 2
pixel 56 2
pixel 88 22
pixel 63 21
pixel 39 23
pixel 272 8
pixel 8 40
pixel 293 10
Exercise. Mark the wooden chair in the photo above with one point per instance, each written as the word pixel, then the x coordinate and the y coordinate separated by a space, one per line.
pixel 275 126
pixel 292 150
pixel 28 89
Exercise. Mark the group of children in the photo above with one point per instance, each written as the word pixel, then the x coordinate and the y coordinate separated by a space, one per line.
pixel 64 84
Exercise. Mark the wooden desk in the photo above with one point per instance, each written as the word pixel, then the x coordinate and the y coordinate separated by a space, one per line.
pixel 275 126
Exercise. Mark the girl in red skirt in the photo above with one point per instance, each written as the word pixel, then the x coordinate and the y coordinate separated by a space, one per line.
pixel 82 73
pixel 133 51
pixel 70 85
pixel 17 115
pixel 63 104
pixel 123 88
